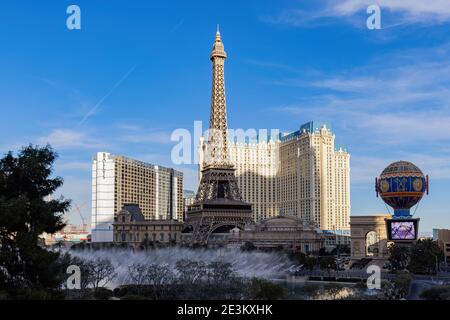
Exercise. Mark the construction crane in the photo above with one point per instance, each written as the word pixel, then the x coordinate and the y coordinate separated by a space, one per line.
pixel 78 208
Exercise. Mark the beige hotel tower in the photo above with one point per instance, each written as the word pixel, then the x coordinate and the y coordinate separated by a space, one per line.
pixel 300 174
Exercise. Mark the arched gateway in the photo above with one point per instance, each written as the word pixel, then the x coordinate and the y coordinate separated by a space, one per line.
pixel 369 237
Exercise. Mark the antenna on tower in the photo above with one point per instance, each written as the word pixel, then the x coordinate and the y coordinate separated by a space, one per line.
pixel 218 29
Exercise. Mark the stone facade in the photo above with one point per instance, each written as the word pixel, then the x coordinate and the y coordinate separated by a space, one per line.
pixel 444 244
pixel 287 232
pixel 301 174
pixel 369 237
pixel 131 228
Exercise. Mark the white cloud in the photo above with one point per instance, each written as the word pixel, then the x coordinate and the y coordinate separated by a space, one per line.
pixel 148 137
pixel 416 10
pixel 410 97
pixel 398 12
pixel 364 169
pixel 70 139
pixel 129 127
pixel 398 107
pixel 73 165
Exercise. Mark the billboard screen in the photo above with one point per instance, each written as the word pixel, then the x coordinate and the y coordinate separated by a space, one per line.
pixel 405 230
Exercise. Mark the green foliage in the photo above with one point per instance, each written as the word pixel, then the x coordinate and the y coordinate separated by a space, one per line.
pixel 298 257
pixel 36 294
pixel 262 289
pixel 322 252
pixel 310 263
pixel 134 297
pixel 102 294
pixel 424 257
pixel 25 213
pixel 327 263
pixel 420 257
pixel 341 249
pixel 399 256
pixel 398 288
pixel 311 291
pixel 248 246
pixel 436 293
pixel 402 282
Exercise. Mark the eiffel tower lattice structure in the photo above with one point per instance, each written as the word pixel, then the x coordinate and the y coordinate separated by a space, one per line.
pixel 218 206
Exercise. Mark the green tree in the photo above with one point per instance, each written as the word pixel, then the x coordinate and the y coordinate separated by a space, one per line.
pixel 327 263
pixel 340 249
pixel 26 212
pixel 397 288
pixel 311 290
pixel 298 257
pixel 436 293
pixel 189 271
pixel 248 246
pixel 262 289
pixel 310 263
pixel 219 272
pixel 425 255
pixel 399 256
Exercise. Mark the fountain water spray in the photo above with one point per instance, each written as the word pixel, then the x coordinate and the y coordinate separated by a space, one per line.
pixel 245 263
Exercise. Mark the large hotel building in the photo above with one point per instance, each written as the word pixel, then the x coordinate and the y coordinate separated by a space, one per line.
pixel 301 174
pixel 117 180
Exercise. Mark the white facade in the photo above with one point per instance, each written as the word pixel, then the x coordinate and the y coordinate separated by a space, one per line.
pixel 103 181
pixel 117 180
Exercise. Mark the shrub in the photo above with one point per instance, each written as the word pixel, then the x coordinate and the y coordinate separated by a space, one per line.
pixel 102 293
pixel 436 293
pixel 262 289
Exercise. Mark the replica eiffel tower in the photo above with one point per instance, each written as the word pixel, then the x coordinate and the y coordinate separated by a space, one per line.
pixel 218 206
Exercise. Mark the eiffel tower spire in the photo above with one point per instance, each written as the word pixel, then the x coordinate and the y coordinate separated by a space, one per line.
pixel 217 152
pixel 218 205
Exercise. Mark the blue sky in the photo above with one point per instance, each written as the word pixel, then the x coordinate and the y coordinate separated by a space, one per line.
pixel 138 70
